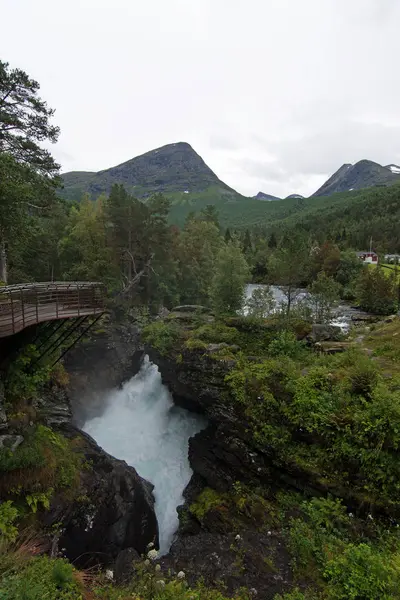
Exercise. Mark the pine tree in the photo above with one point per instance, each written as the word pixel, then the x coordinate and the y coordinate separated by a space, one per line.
pixel 27 171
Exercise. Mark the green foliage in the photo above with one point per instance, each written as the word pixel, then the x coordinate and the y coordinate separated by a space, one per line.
pixel 261 303
pixel 376 292
pixel 295 595
pixel 41 578
pixel 349 268
pixel 361 572
pixel 195 344
pixel 27 171
pixel 39 498
pixel 197 249
pixel 323 296
pixel 216 333
pixel 8 515
pixel 22 382
pixel 229 280
pixel 162 336
pixel 285 344
pixel 289 266
pixel 45 461
pixel 206 501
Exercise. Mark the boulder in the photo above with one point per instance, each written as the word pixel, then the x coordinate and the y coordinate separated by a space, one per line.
pixel 10 441
pixel 125 566
pixel 332 347
pixel 191 308
pixel 113 510
pixel 324 333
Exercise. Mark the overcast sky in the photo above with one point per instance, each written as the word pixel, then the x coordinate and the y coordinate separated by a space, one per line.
pixel 274 94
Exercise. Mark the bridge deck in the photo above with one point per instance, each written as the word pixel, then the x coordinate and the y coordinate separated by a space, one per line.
pixel 28 304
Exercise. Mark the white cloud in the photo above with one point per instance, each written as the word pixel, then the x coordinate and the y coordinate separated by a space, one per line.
pixel 299 87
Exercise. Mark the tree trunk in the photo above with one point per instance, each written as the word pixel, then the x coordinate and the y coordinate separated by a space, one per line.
pixel 3 262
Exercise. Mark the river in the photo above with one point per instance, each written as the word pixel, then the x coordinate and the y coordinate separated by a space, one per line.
pixel 142 426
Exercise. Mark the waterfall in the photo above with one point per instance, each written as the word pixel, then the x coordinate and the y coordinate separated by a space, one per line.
pixel 141 425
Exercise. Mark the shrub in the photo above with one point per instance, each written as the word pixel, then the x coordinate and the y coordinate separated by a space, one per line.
pixel 216 333
pixel 41 578
pixel 163 337
pixel 363 376
pixel 376 292
pixel 8 514
pixel 361 572
pixel 206 501
pixel 44 460
pixel 21 383
pixel 195 344
pixel 285 344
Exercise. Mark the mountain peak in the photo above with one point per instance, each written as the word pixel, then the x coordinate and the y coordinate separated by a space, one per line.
pixel 171 168
pixel 265 197
pixel 363 174
pixel 393 169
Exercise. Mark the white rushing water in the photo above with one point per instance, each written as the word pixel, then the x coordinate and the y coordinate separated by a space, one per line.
pixel 342 313
pixel 142 426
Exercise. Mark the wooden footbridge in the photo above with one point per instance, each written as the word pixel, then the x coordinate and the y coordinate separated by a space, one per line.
pixel 28 304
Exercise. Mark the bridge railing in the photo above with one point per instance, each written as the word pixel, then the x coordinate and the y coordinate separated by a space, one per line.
pixel 28 304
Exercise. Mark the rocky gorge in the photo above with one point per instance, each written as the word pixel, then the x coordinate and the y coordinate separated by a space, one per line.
pixel 260 466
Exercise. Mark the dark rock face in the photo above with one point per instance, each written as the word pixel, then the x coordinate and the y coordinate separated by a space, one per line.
pixel 113 511
pixel 217 557
pixel 104 362
pixel 53 405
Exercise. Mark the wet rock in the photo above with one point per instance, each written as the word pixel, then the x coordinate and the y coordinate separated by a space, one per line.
pixel 191 308
pixel 257 560
pixel 104 362
pixel 125 566
pixel 322 333
pixel 53 405
pixel 332 347
pixel 113 510
pixel 11 442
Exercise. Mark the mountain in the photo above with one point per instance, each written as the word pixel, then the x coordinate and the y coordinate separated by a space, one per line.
pixel 393 168
pixel 363 174
pixel 169 169
pixel 265 197
pixel 295 196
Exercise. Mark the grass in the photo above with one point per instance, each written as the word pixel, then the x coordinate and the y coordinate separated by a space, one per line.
pixel 45 462
pixel 387 270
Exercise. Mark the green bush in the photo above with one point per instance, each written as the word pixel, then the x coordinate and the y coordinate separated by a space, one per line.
pixel 285 344
pixel 195 344
pixel 8 515
pixel 45 460
pixel 39 579
pixel 163 337
pixel 361 573
pixel 22 383
pixel 206 501
pixel 216 333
